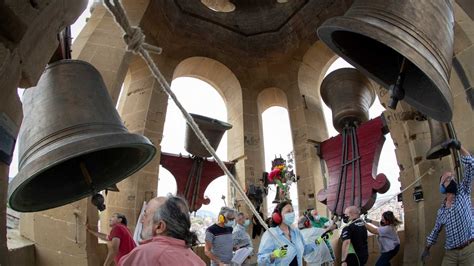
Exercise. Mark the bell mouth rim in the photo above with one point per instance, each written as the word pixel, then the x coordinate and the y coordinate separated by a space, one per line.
pixel 208 120
pixel 351 25
pixel 116 140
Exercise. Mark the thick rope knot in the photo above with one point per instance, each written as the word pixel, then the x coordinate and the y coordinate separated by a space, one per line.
pixel 135 40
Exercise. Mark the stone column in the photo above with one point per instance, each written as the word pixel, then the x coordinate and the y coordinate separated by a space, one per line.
pixel 101 44
pixel 308 126
pixel 10 119
pixel 143 109
pixel 412 140
pixel 247 148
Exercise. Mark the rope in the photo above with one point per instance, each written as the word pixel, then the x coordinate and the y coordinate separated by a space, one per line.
pixel 429 172
pixel 135 40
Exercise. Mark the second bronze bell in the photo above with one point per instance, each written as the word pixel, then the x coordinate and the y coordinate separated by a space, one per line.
pixel 409 43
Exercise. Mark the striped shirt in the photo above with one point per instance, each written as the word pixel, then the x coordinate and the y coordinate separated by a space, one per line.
pixel 457 220
pixel 221 240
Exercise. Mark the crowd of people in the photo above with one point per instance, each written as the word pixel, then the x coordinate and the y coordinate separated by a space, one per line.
pixel 166 238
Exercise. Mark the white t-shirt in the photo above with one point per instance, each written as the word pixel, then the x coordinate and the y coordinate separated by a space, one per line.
pixel 388 238
pixel 321 254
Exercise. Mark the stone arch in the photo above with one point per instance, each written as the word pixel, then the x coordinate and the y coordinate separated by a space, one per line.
pixel 270 97
pixel 227 84
pixel 267 98
pixel 316 63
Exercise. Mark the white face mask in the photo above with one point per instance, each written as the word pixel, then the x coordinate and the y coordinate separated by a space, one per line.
pixel 247 223
pixel 229 223
pixel 289 218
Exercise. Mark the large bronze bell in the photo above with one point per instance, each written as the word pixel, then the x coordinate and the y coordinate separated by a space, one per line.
pixel 406 46
pixel 439 135
pixel 72 142
pixel 213 129
pixel 349 94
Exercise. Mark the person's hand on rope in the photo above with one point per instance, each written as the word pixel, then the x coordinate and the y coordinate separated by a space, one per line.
pixel 425 255
pixel 323 237
pixel 367 219
pixel 451 144
pixel 279 253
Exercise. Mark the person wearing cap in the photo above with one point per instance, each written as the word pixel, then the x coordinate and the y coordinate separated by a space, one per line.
pixel 283 244
pixel 455 214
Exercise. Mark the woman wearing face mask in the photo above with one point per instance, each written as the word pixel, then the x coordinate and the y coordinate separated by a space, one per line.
pixel 387 236
pixel 271 252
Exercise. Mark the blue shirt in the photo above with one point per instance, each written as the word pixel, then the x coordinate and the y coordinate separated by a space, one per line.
pixel 457 220
pixel 296 247
pixel 240 237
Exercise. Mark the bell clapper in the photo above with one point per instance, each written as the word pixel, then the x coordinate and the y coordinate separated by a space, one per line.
pixel 397 93
pixel 86 174
pixel 97 198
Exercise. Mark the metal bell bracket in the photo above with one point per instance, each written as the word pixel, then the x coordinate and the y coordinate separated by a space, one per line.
pixel 397 93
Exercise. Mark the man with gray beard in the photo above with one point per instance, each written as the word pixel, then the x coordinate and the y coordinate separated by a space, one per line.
pixel 167 236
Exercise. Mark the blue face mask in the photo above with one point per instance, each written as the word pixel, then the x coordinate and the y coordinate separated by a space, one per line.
pixel 247 223
pixel 229 223
pixel 289 218
pixel 442 189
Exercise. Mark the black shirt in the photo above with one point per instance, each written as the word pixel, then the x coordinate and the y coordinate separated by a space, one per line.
pixel 357 233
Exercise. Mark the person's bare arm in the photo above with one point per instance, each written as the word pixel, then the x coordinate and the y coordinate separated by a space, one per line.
pixel 113 250
pixel 209 254
pixel 372 228
pixel 97 234
pixel 464 152
pixel 345 250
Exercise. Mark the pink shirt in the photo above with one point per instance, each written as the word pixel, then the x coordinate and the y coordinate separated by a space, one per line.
pixel 162 250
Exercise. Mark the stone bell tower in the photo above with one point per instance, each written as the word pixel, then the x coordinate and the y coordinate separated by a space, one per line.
pixel 256 54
